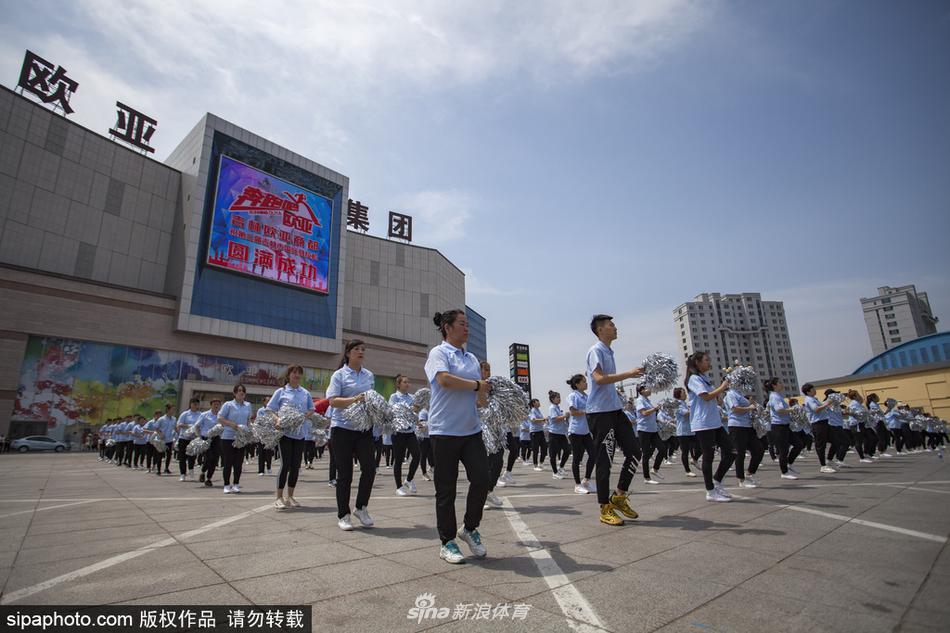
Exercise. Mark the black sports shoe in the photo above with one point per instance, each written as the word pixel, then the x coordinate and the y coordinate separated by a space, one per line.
pixel 201 477
pixel 208 483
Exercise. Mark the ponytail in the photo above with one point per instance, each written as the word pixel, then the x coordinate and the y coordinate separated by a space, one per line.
pixel 692 366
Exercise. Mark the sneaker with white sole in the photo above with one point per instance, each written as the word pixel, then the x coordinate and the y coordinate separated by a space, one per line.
pixel 412 487
pixel 291 502
pixel 474 541
pixel 235 488
pixel 260 474
pixel 363 515
pixel 865 460
pixel 332 483
pixel 493 501
pixel 717 485
pixel 402 491
pixel 789 475
pixel 690 474
pixel 426 477
pixel 754 481
pixel 345 523
pixel 886 454
pixel 715 495
pixel 279 504
pixel 793 471
pixel 828 470
pixel 652 482
pixel 181 478
pixel 538 468
pixel 747 483
pixel 557 476
pixel 451 553
pixel 657 474
pixel 509 478
pixel 581 489
pixel 227 489
pixel 590 485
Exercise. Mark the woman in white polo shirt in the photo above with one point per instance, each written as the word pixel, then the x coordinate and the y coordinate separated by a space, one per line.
pixel 456 434
pixel 348 385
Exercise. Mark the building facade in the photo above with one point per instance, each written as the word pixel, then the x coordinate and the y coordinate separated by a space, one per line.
pixel 477 334
pixel 128 283
pixel 897 315
pixel 923 386
pixel 739 327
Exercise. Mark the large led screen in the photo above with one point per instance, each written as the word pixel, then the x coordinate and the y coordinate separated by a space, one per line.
pixel 266 227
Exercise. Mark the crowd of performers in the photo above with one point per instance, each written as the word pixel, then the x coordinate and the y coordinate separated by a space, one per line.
pixel 702 421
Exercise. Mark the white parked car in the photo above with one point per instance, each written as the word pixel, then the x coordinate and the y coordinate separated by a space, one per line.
pixel 37 443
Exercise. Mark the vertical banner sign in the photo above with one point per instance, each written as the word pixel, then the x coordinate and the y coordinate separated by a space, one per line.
pixel 519 363
pixel 269 228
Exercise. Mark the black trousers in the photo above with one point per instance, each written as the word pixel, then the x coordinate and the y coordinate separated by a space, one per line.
pixel 745 440
pixel 425 455
pixel 821 432
pixel 291 454
pixel 405 443
pixel 558 447
pixel 525 449
pixel 787 444
pixel 581 445
pixel 613 424
pixel 708 440
pixel 870 440
pixel 513 448
pixel 449 451
pixel 495 463
pixel 537 447
pixel 309 451
pixel 142 451
pixel 882 437
pixel 839 443
pixel 264 457
pixel 233 461
pixel 688 447
pixel 186 462
pixel 331 467
pixel 649 442
pixel 211 457
pixel 346 445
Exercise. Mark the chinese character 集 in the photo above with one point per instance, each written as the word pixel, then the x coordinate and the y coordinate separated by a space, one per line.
pixel 46 81
pixel 357 215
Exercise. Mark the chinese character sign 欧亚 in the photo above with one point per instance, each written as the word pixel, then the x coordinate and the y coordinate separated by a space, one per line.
pixel 47 81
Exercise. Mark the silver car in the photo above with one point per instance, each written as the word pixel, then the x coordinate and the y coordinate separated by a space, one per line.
pixel 37 443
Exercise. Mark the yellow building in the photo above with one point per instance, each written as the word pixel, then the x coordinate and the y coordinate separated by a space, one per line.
pixel 925 386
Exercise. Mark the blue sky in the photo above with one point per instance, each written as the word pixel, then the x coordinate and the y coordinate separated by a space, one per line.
pixel 615 157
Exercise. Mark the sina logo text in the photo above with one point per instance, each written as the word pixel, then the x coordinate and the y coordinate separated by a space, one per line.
pixel 425 609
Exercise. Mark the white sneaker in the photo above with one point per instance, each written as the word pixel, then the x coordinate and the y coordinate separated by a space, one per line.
pixel 493 500
pixel 279 504
pixel 332 483
pixel 657 474
pixel 718 486
pixel 886 454
pixel 561 472
pixel 451 553
pixel 412 487
pixel 865 460
pixel 474 541
pixel 181 478
pixel 828 470
pixel 842 465
pixel 345 523
pixel 364 517
pixel 590 484
pixel 269 472
pixel 580 489
pixel 235 488
pixel 715 495
pixel 260 474
pixel 667 462
pixel 557 476
pixel 538 468
pixel 875 457
pixel 227 490
pixel 747 483
pixel 402 491
pixel 426 477
pixel 792 470
pixel 754 481
pixel 501 482
pixel 509 478
pixel 652 482
pixel 789 475
pixel 690 474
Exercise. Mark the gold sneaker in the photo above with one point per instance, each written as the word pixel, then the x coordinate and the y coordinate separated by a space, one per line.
pixel 608 516
pixel 619 502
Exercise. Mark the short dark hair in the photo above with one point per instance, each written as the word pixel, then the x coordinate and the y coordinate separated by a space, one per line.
pixel 829 391
pixel 806 388
pixel 597 320
pixel 194 401
pixel 215 399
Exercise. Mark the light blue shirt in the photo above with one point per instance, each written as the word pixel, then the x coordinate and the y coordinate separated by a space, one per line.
pixel 298 398
pixel 188 417
pixel 424 416
pixel 811 406
pixel 139 435
pixel 683 428
pixel 537 420
pixel 834 416
pixel 557 428
pixel 237 413
pixel 776 402
pixel 578 424
pixel 602 398
pixel 126 430
pixel 524 434
pixel 893 419
pixel 348 383
pixel 452 411
pixel 166 425
pixel 387 439
pixel 206 421
pixel 305 429
pixel 735 399
pixel 703 414
pixel 645 422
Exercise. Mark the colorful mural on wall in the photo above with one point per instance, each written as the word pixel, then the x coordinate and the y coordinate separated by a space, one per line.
pixel 63 382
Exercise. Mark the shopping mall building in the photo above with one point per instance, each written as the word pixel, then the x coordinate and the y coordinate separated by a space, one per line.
pixel 127 283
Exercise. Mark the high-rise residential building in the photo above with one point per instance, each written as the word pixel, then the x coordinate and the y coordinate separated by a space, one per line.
pixel 740 327
pixel 897 315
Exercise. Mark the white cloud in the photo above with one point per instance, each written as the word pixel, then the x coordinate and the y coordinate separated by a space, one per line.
pixel 476 287
pixel 438 216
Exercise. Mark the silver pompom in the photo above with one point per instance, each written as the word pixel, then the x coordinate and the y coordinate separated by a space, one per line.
pixel 799 419
pixel 507 403
pixel 420 399
pixel 157 441
pixel 666 427
pixel 265 429
pixel 318 421
pixel 403 418
pixel 215 431
pixel 422 427
pixel 291 418
pixel 197 447
pixel 373 410
pixel 669 407
pixel 761 421
pixel 243 435
pixel 836 398
pixel 742 378
pixel 319 437
pixel 110 443
pixel 660 371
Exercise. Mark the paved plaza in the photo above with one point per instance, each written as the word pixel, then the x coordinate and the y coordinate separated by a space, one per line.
pixel 864 550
